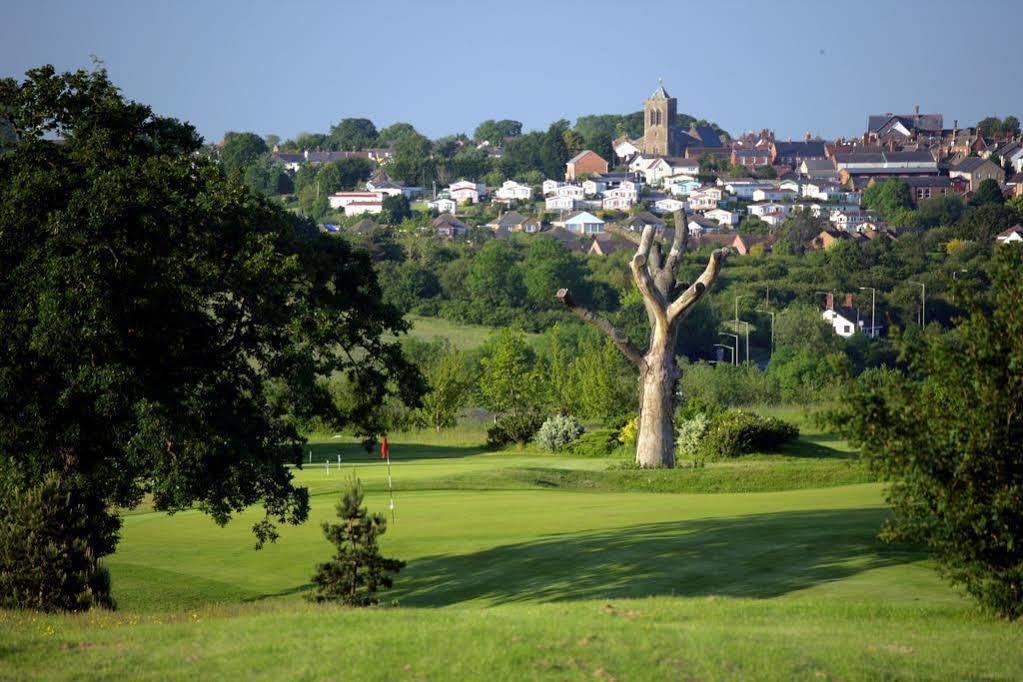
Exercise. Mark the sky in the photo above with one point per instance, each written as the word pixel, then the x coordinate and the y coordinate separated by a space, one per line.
pixel 445 65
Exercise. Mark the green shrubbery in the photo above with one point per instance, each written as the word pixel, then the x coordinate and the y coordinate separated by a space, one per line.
pixel 514 428
pixel 730 434
pixel 558 432
pixel 598 443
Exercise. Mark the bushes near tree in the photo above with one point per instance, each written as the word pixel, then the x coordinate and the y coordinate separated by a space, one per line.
pixel 558 432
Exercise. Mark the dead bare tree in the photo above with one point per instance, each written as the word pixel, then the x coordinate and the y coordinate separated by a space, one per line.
pixel 667 303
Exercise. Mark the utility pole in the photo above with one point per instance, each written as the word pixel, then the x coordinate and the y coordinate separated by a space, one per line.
pixel 747 339
pixel 735 360
pixel 873 299
pixel 923 302
pixel 736 322
pixel 954 278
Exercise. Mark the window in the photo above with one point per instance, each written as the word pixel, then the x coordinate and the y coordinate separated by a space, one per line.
pixel 848 329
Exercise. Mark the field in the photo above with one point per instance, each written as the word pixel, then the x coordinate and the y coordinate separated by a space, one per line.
pixel 461 336
pixel 523 565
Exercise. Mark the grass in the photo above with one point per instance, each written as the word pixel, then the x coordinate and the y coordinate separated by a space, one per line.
pixel 525 566
pixel 461 336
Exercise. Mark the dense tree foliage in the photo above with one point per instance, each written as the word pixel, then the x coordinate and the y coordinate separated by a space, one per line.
pixel 994 127
pixel 495 132
pixel 161 326
pixel 352 134
pixel 946 433
pixel 241 149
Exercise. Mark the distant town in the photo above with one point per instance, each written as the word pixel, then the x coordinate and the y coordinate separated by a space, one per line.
pixel 734 190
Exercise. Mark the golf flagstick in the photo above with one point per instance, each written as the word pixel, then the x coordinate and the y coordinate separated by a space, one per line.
pixel 385 452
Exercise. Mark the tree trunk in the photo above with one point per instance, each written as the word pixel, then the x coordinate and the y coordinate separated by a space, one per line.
pixel 655 446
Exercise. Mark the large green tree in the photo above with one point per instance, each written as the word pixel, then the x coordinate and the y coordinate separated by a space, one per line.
pixel 241 149
pixel 353 134
pixel 946 434
pixel 162 326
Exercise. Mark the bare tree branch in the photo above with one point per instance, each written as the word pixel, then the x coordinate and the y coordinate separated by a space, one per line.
pixel 622 232
pixel 682 304
pixel 680 242
pixel 656 304
pixel 619 338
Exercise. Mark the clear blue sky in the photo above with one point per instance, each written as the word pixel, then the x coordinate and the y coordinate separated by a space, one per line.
pixel 444 65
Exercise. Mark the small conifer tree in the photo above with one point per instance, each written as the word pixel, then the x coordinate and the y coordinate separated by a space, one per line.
pixel 357 570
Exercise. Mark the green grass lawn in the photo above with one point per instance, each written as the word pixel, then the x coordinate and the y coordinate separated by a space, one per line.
pixel 523 565
pixel 461 336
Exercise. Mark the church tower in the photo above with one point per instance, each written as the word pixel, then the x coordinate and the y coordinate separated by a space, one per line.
pixel 659 123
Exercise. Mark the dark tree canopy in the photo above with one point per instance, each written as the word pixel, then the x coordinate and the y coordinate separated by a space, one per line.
pixel 241 149
pixel 353 134
pixel 988 192
pixel 161 326
pixel 494 132
pixel 947 435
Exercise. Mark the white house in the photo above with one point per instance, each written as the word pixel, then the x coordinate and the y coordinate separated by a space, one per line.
pixel 776 218
pixel 514 191
pixel 594 186
pixel 773 194
pixel 723 216
pixel 764 209
pixel 682 186
pixel 572 191
pixel 689 167
pixel 443 205
pixel 850 220
pixel 744 188
pixel 844 319
pixel 583 223
pixel 343 199
pixel 465 191
pixel 669 204
pixel 793 185
pixel 557 203
pixel 655 170
pixel 705 198
pixel 624 148
pixel 364 207
pixel 550 186
pixel 1013 235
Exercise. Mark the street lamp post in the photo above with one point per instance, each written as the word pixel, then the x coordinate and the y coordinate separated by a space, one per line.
pixel 747 339
pixel 735 360
pixel 725 345
pixel 873 301
pixel 736 322
pixel 923 301
pixel 954 278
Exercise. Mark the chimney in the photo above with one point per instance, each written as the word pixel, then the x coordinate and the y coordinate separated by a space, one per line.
pixel 829 301
pixel 848 300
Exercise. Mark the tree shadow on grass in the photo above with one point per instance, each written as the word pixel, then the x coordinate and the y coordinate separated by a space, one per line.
pixel 817 446
pixel 757 556
pixel 400 452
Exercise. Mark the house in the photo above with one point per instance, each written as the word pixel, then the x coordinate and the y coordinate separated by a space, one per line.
pixel 682 186
pixel 594 186
pixel 773 194
pixel 1013 235
pixel 818 169
pixel 976 170
pixel 559 203
pixel 844 319
pixel 570 240
pixel 699 225
pixel 443 205
pixel 792 184
pixel 390 188
pixel 342 199
pixel 550 186
pixel 292 161
pixel 448 226
pixel 625 149
pixel 584 163
pixel 705 198
pixel 745 187
pixel 793 154
pixel 1010 152
pixel 829 191
pixel 671 204
pixel 654 170
pixel 768 208
pixel 582 223
pixel 572 191
pixel 774 218
pixel 465 191
pixel 642 220
pixel 514 191
pixel 605 243
pixel 723 216
pixel 852 164
pixel 850 221
pixel 903 127
pixel 927 186
pixel 513 221
pixel 620 198
pixel 744 243
pixel 683 166
pixel 828 238
pixel 751 157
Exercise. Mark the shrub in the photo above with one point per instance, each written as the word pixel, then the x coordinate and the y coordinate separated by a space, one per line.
pixel 737 432
pixel 599 443
pixel 357 570
pixel 628 434
pixel 689 436
pixel 558 432
pixel 518 427
pixel 52 536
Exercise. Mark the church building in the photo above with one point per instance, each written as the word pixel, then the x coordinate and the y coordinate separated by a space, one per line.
pixel 661 134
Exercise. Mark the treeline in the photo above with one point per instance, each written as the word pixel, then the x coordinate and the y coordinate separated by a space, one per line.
pixel 419 161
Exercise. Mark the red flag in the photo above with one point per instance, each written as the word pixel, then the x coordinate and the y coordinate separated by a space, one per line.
pixel 383 448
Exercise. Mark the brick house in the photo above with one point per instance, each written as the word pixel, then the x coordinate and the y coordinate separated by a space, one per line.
pixel 583 164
